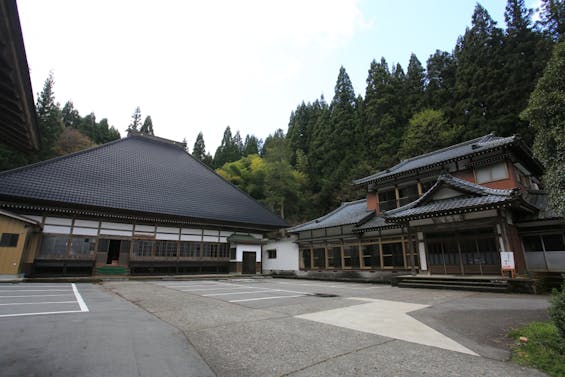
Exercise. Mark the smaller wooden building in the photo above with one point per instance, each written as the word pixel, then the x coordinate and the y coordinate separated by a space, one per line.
pixel 19 239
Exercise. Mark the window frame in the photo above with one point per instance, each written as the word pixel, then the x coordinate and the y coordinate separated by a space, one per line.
pixel 490 169
pixel 272 254
pixel 9 239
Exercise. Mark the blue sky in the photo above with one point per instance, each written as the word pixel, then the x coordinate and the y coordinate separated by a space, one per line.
pixel 202 65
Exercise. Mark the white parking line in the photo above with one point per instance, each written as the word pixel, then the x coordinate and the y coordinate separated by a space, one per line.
pixel 39 313
pixel 272 289
pixel 209 289
pixel 234 293
pixel 33 290
pixel 194 285
pixel 264 298
pixel 38 303
pixel 311 285
pixel 32 285
pixel 81 303
pixel 62 294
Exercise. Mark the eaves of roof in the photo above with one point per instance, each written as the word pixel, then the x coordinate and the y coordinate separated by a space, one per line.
pixel 349 213
pixel 438 158
pixel 17 118
pixel 18 217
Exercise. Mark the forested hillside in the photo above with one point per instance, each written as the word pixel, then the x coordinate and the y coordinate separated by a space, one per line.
pixel 481 86
pixel 62 130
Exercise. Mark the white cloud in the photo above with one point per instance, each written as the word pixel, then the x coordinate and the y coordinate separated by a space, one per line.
pixel 193 66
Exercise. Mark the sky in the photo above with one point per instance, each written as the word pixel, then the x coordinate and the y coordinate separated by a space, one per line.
pixel 199 66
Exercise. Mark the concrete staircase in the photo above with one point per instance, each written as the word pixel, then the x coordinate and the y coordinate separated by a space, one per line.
pixel 466 283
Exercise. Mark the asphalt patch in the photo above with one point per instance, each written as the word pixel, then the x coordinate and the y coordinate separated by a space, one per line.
pixel 323 295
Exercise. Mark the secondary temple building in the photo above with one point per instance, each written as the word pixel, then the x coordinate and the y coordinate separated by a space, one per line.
pixel 451 211
pixel 138 205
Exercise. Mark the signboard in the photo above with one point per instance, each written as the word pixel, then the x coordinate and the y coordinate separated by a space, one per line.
pixel 507 260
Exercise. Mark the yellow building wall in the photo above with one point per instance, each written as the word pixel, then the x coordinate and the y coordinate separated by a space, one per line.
pixel 12 259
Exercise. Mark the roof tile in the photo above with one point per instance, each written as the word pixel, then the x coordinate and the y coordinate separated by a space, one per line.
pixel 139 174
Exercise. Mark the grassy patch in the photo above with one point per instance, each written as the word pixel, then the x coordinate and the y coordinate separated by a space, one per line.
pixel 544 350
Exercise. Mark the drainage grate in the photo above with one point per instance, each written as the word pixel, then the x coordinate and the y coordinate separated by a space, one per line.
pixel 323 295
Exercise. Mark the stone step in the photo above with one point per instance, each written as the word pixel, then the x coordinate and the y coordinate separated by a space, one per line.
pixel 112 270
pixel 474 282
pixel 480 288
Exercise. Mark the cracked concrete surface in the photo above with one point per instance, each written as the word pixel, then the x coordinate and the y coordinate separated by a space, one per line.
pixel 266 339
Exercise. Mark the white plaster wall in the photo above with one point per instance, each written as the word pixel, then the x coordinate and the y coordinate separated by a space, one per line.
pixel 253 248
pixel 287 255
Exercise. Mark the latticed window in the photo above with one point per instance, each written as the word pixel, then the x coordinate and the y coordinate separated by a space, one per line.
pixel 190 249
pixel 143 248
pixel 82 246
pixel 54 245
pixel 166 249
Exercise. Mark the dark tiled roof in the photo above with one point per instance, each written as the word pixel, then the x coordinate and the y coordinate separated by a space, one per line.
pixel 446 205
pixel 377 222
pixel 473 196
pixel 347 213
pixel 457 151
pixel 140 174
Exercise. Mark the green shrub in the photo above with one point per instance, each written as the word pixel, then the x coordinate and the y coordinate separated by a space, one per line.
pixel 544 348
pixel 557 310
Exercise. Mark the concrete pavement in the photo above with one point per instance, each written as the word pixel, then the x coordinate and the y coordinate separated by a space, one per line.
pixel 267 336
pixel 114 338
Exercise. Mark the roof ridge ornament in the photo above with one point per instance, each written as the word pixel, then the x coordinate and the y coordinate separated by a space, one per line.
pixel 180 144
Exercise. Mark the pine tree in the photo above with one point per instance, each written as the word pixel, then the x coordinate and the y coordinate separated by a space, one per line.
pixel 71 117
pixel 251 145
pixel 238 143
pixel 480 76
pixel 199 149
pixel 415 80
pixel 546 114
pixel 49 119
pixel 526 53
pixel 135 120
pixel 552 16
pixel 228 151
pixel 341 151
pixel 147 127
pixel 440 77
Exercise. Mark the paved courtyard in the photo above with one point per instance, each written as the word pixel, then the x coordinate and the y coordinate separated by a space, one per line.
pixel 278 327
pixel 258 327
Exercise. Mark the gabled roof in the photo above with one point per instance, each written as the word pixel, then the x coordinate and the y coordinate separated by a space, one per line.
pixel 472 197
pixel 346 214
pixel 139 174
pixel 442 156
pixel 21 218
